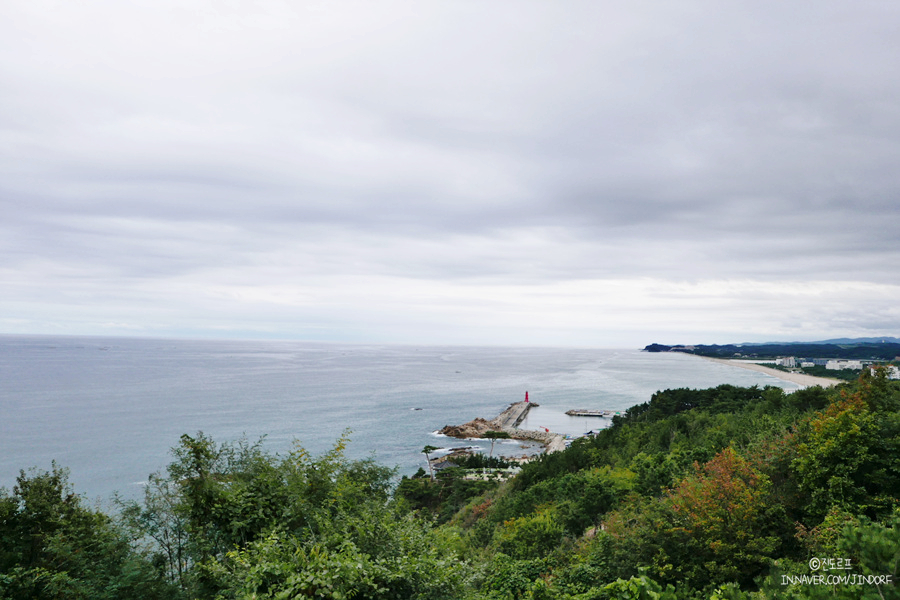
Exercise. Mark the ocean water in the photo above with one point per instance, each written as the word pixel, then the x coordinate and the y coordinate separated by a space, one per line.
pixel 110 409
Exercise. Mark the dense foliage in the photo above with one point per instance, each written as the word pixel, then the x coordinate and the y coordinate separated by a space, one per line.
pixel 52 546
pixel 721 493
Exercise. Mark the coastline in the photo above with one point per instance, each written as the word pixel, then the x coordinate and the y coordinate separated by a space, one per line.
pixel 798 378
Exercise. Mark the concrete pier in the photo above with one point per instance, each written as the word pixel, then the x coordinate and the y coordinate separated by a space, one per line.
pixel 515 414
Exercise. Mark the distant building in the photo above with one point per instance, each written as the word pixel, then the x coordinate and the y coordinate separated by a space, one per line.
pixel 893 372
pixel 807 364
pixel 839 365
pixel 786 361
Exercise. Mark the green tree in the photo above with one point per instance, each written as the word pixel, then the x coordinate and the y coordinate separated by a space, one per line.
pixel 375 554
pixel 716 526
pixel 162 518
pixel 531 536
pixel 494 436
pixel 55 547
pixel 835 458
pixel 427 450
pixel 231 520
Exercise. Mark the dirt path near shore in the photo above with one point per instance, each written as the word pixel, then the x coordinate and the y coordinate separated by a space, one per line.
pixel 798 378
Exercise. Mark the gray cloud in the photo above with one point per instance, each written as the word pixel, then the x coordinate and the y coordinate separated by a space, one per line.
pixel 153 153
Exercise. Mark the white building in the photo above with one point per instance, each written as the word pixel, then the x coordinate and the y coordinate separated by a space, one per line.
pixel 786 361
pixel 838 365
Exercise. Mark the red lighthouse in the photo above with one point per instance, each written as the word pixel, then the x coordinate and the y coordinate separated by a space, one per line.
pixel 526 396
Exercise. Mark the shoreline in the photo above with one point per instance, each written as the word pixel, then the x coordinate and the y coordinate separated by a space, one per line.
pixel 799 378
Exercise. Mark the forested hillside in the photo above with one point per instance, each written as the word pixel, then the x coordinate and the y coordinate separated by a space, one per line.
pixel 721 493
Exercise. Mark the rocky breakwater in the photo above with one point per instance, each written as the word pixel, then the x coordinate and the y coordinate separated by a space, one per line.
pixel 507 422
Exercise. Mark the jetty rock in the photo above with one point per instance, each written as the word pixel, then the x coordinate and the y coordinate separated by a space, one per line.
pixel 473 429
pixel 508 421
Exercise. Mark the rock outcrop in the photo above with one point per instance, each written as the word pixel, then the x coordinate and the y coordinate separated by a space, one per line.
pixel 473 429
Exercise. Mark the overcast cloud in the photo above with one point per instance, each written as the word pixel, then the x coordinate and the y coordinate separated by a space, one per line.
pixel 579 173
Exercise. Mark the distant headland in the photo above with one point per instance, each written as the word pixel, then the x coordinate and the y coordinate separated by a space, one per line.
pixel 877 349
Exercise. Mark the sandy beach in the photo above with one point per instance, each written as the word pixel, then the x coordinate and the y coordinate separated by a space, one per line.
pixel 798 378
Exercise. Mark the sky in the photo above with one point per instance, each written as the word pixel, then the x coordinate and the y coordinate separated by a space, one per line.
pixel 602 174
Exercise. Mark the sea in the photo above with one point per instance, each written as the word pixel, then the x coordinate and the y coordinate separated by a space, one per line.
pixel 111 409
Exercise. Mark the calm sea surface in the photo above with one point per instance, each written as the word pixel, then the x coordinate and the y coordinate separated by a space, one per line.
pixel 111 408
